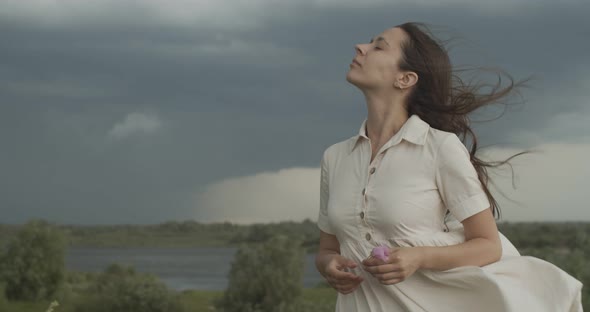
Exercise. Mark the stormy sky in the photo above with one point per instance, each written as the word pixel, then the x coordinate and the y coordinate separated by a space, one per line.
pixel 140 112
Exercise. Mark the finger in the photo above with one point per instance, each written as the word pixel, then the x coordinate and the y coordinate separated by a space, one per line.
pixel 394 257
pixel 382 268
pixel 373 261
pixel 345 281
pixel 338 282
pixel 333 282
pixel 337 274
pixel 351 264
pixel 348 288
pixel 346 267
pixel 349 277
pixel 390 275
pixel 357 280
pixel 392 281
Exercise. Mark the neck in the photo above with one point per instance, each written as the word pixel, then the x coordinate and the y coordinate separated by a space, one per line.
pixel 386 115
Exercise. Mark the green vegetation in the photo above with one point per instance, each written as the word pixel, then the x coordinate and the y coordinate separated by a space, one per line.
pixel 32 267
pixel 265 277
pixel 322 299
pixel 120 288
pixel 524 235
pixel 176 234
pixel 31 251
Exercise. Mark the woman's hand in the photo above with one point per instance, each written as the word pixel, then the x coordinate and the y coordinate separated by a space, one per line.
pixel 335 273
pixel 401 264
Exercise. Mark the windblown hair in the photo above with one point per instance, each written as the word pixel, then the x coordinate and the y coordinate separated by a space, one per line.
pixel 443 100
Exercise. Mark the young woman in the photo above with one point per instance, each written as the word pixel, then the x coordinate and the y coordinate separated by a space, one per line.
pixel 408 182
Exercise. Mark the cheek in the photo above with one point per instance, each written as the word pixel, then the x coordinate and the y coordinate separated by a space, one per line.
pixel 382 69
pixel 385 74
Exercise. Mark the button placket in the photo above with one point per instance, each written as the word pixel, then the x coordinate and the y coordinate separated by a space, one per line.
pixel 364 226
pixel 373 167
pixel 363 212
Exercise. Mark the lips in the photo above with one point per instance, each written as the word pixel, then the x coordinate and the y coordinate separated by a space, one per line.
pixel 356 62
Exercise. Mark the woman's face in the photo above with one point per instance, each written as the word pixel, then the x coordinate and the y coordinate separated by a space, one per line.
pixel 378 68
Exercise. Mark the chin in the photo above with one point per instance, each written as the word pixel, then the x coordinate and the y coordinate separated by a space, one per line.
pixel 354 81
pixel 351 79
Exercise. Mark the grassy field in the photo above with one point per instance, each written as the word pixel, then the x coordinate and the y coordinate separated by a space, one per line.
pixel 193 300
pixel 198 300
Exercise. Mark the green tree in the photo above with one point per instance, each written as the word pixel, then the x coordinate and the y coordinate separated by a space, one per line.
pixel 265 277
pixel 122 289
pixel 33 265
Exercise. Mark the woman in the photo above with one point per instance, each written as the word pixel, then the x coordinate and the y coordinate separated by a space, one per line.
pixel 408 182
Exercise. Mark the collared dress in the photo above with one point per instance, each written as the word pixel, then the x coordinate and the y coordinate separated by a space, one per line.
pixel 400 200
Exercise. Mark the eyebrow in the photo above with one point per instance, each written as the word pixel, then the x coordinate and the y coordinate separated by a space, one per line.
pixel 379 39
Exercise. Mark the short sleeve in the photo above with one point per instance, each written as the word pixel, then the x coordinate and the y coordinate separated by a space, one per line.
pixel 323 222
pixel 457 181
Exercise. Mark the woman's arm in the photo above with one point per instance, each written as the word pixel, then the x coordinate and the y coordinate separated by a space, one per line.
pixel 482 246
pixel 329 245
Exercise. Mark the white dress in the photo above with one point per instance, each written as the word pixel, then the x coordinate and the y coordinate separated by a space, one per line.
pixel 400 199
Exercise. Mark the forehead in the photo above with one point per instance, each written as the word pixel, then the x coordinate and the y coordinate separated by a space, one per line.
pixel 394 35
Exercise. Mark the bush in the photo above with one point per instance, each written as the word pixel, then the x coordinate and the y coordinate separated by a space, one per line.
pixel 265 277
pixel 33 266
pixel 121 289
pixel 3 303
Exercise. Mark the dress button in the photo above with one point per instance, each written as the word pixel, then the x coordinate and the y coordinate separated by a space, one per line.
pixel 372 170
pixel 362 214
pixel 363 192
pixel 368 236
pixel 446 230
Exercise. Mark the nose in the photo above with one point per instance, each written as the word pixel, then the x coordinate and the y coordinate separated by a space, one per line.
pixel 359 48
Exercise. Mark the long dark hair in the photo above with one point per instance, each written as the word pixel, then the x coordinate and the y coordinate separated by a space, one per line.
pixel 443 100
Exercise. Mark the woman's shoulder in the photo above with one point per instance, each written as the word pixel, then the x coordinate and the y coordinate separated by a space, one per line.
pixel 437 137
pixel 339 148
pixel 445 144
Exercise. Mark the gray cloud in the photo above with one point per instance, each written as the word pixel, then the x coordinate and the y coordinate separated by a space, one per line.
pixel 237 90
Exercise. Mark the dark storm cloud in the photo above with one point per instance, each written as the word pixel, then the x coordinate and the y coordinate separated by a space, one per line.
pixel 266 94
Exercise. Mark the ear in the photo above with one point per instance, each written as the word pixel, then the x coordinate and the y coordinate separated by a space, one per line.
pixel 408 80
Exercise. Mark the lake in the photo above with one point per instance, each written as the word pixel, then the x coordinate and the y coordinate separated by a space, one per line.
pixel 179 268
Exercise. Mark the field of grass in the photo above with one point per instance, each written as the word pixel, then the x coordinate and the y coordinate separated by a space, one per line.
pixel 192 300
pixel 201 300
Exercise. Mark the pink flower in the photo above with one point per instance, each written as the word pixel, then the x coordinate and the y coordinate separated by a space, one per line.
pixel 381 252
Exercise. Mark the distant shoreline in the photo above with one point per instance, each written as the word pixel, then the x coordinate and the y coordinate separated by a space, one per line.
pixel 188 234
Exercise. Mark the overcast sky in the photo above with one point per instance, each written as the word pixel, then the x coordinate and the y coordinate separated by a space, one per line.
pixel 148 111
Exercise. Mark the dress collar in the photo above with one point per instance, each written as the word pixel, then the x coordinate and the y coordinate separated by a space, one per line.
pixel 413 130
